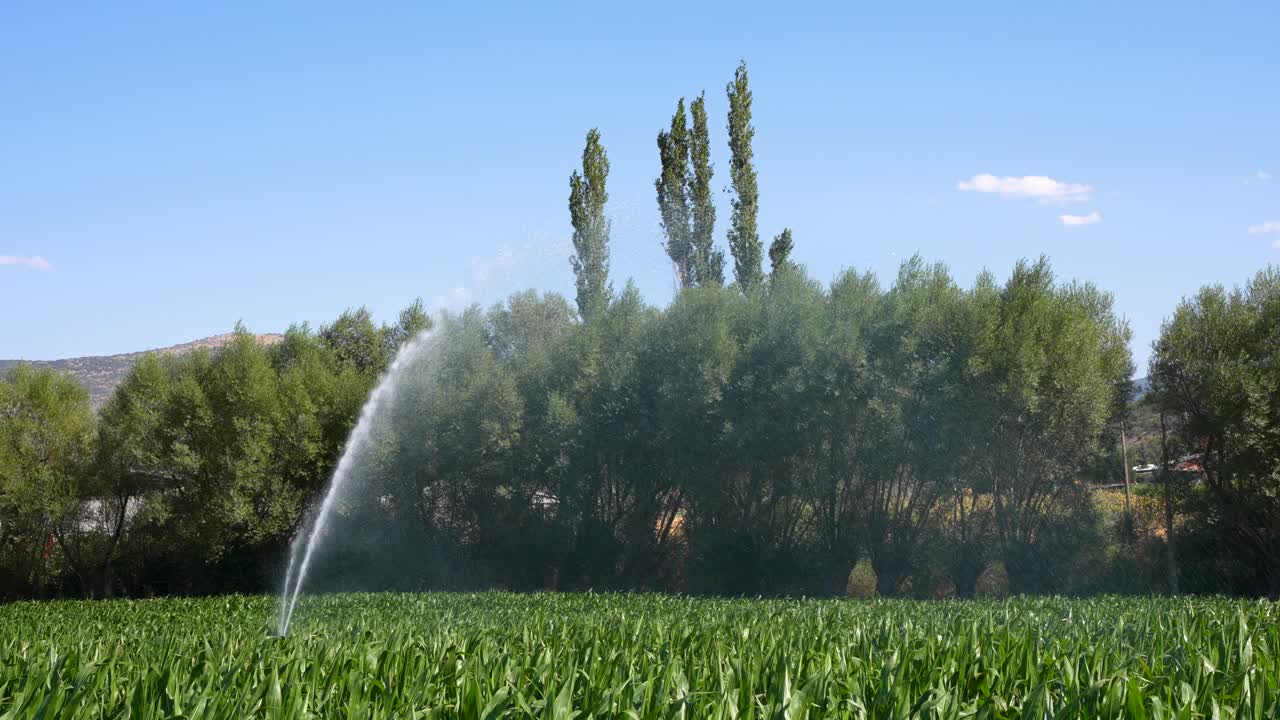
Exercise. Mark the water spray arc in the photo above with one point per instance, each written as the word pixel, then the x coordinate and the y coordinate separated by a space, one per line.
pixel 304 544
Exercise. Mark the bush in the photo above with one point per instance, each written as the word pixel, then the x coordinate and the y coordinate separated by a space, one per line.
pixel 862 580
pixel 993 582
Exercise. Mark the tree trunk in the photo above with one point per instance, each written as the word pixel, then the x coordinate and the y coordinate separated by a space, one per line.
pixel 1170 549
pixel 966 571
pixel 108 580
pixel 1128 512
pixel 889 575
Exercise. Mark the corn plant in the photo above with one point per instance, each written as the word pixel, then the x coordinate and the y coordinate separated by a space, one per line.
pixel 501 655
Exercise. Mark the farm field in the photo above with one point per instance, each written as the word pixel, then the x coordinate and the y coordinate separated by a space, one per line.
pixel 495 655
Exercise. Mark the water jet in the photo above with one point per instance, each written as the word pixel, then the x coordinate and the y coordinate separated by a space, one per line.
pixel 304 544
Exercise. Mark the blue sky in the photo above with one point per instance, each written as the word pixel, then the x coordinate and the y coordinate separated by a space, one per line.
pixel 167 169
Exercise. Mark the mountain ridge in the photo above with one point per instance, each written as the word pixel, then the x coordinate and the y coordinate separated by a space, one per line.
pixel 100 374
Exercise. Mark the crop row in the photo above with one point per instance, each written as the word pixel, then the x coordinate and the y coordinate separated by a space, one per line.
pixel 495 655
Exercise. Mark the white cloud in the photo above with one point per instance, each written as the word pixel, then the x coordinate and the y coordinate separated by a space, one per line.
pixel 1090 219
pixel 35 262
pixel 1263 175
pixel 1040 187
pixel 1269 226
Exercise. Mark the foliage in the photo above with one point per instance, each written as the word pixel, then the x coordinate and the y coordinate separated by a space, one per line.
pixel 500 655
pixel 862 580
pixel 413 321
pixel 212 457
pixel 102 373
pixel 707 260
pixel 673 187
pixel 356 341
pixel 1052 363
pixel 685 204
pixel 587 198
pixel 993 582
pixel 744 236
pixel 46 436
pixel 780 251
pixel 1216 371
pixel 46 431
pixel 736 443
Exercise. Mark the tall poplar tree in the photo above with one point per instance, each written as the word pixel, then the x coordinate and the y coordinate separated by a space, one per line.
pixel 587 198
pixel 673 197
pixel 780 250
pixel 707 262
pixel 744 237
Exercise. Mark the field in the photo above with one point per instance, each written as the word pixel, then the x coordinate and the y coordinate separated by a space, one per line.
pixel 496 655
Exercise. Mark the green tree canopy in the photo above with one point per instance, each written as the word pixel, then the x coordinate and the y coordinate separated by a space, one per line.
pixel 1216 370
pixel 46 440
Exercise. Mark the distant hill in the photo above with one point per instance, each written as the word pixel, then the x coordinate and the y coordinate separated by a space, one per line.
pixel 101 373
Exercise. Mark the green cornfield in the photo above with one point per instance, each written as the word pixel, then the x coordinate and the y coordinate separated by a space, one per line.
pixel 500 655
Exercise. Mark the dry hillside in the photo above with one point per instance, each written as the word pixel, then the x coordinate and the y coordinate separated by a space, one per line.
pixel 101 373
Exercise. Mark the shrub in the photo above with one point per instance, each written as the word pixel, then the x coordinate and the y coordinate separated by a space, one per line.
pixel 862 580
pixel 993 582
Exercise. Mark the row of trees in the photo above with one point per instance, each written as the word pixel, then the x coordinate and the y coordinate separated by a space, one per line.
pixel 685 204
pixel 192 474
pixel 737 442
pixel 761 441
pixel 732 442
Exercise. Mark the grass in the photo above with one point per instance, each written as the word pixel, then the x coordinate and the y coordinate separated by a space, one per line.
pixel 495 655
